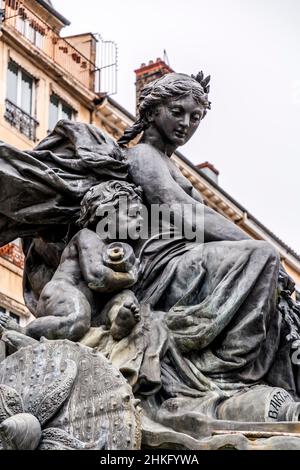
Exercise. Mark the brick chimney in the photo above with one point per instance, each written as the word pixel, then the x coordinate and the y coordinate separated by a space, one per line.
pixel 209 170
pixel 147 73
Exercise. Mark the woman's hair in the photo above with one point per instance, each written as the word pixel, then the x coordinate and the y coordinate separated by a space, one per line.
pixel 102 195
pixel 170 86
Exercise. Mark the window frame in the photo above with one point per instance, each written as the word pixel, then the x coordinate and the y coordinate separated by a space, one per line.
pixel 61 103
pixel 18 103
pixel 25 122
pixel 26 29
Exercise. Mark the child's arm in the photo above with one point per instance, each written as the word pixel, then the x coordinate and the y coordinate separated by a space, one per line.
pixel 10 324
pixel 99 277
pixel 89 247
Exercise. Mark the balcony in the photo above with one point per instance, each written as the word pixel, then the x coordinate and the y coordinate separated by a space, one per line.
pixel 19 19
pixel 19 119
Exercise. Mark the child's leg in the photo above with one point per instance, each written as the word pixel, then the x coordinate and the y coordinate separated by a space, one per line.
pixel 125 320
pixel 63 311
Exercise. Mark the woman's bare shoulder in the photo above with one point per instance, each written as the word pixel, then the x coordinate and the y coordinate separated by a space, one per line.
pixel 142 151
pixel 147 168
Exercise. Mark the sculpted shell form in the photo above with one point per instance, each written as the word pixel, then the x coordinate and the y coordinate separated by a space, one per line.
pixel 78 397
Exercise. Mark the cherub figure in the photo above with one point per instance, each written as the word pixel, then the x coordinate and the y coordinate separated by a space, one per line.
pixel 91 265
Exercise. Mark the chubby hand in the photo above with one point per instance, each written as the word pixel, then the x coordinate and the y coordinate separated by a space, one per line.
pixel 110 281
pixel 8 323
pixel 4 319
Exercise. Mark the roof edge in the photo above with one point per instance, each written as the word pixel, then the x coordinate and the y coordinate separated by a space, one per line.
pixel 121 108
pixel 54 12
pixel 239 206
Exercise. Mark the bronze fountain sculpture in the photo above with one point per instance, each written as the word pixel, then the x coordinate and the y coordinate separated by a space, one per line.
pixel 187 335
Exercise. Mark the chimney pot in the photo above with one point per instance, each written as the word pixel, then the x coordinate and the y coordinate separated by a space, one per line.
pixel 147 73
pixel 209 170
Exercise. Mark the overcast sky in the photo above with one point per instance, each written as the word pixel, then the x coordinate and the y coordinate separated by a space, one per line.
pixel 251 48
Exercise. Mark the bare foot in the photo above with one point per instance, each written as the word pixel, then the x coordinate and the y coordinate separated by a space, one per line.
pixel 125 320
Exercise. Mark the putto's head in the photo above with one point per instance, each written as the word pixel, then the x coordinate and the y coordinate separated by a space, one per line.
pixel 178 93
pixel 118 202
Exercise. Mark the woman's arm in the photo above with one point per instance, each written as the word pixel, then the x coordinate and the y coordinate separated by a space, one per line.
pixel 148 169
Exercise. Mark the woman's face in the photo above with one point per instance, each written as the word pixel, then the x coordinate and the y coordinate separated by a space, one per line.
pixel 178 119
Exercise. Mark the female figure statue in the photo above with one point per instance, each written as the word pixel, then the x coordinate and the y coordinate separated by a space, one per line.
pixel 220 296
pixel 213 342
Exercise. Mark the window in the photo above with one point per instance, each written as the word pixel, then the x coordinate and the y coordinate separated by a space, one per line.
pixel 19 110
pixel 14 317
pixel 58 110
pixel 11 314
pixel 21 25
pixel 31 31
pixel 20 87
pixel 12 82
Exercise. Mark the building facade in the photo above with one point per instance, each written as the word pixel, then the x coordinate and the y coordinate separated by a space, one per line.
pixel 46 77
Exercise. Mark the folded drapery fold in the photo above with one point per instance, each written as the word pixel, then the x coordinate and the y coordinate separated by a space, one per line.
pixel 44 186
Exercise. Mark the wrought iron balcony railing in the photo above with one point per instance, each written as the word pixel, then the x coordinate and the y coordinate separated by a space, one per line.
pixel 22 121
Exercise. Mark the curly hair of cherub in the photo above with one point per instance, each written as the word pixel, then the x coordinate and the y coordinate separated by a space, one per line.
pixel 170 86
pixel 105 195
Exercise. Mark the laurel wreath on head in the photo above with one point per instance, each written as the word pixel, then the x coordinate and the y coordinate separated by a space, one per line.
pixel 204 82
